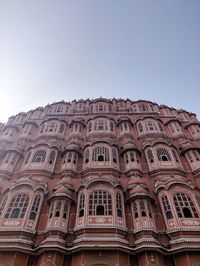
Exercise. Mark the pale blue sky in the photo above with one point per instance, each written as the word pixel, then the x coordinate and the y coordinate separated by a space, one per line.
pixel 71 49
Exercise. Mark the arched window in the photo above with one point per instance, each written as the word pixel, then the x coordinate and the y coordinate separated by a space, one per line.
pixel 150 156
pixel 140 127
pixel 119 204
pixel 100 203
pixel 132 157
pixel 126 160
pixel 69 157
pixel 58 209
pixel 196 154
pixel 90 127
pixel 39 156
pixel 51 210
pixel 114 155
pixel 75 158
pixel 81 205
pixel 100 126
pixel 100 108
pixel 3 204
pixel 18 206
pixel 142 209
pixel 87 155
pixel 111 126
pixel 135 210
pixel 100 154
pixel 65 210
pixel 34 208
pixel 10 158
pixel 42 129
pixel 175 155
pixel 51 127
pixel 184 206
pixel 163 155
pixel 52 157
pixel 62 128
pixel 167 207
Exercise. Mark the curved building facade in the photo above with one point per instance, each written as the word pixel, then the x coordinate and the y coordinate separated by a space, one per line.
pixel 100 183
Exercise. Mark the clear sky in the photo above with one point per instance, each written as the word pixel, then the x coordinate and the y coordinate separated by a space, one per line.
pixel 72 49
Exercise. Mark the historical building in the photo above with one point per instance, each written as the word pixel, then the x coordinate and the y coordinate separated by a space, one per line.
pixel 100 183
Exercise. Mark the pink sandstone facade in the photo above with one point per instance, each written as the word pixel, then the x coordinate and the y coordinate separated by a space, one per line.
pixel 100 183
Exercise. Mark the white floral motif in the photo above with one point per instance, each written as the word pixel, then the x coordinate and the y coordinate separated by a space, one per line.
pixel 100 220
pixel 11 223
pixel 190 222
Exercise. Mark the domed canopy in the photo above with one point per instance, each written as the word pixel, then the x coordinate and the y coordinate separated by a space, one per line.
pixel 63 191
pixel 138 191
pixel 66 181
pixel 134 181
pixel 129 146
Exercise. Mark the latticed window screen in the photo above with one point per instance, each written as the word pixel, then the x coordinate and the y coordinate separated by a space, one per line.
pixel 18 206
pixel 114 155
pixel 62 128
pixel 51 127
pixel 135 210
pixel 142 209
pixel 111 126
pixel 81 205
pixel 100 108
pixel 34 208
pixel 198 199
pixel 196 154
pixel 119 204
pixel 132 156
pixel 100 203
pixel 160 126
pixel 126 126
pixel 150 156
pixel 3 204
pixel 99 126
pixel 126 160
pixel 189 156
pixel 28 129
pixel 10 158
pixel 87 155
pixel 90 126
pixel 52 157
pixel 140 127
pixel 58 209
pixel 7 157
pixel 143 107
pixel 184 206
pixel 39 156
pixel 51 210
pixel 65 210
pixel 163 154
pixel 58 109
pixel 100 154
pixel 75 158
pixel 175 155
pixel 167 207
pixel 151 126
